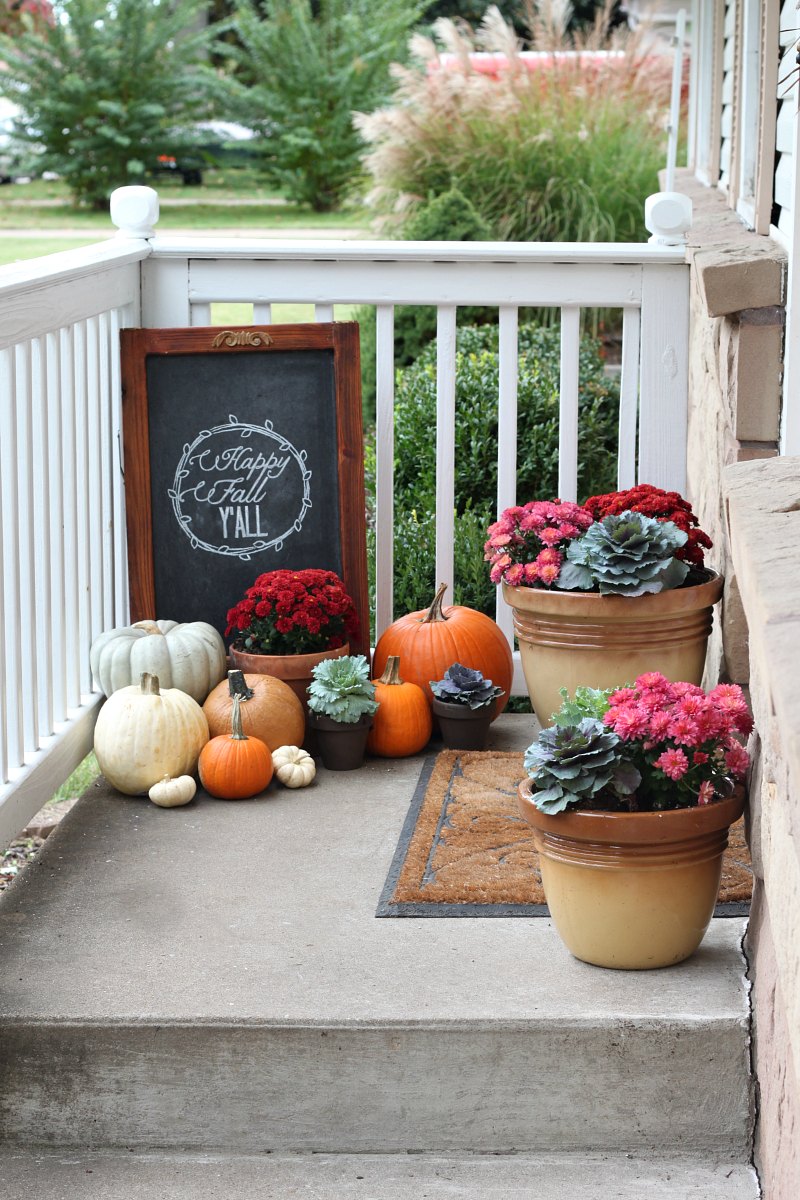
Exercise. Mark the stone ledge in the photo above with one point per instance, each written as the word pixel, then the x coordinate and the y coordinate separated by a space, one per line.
pixel 736 269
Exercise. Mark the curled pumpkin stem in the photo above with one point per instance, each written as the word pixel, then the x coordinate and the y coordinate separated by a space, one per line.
pixel 435 612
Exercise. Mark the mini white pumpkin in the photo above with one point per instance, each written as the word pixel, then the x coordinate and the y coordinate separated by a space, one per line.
pixel 294 767
pixel 143 734
pixel 172 793
pixel 190 657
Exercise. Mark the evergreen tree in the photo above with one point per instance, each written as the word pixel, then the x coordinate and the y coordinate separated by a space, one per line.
pixel 103 88
pixel 303 69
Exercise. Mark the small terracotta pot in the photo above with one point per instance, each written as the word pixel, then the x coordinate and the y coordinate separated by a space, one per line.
pixel 340 745
pixel 567 639
pixel 462 727
pixel 631 890
pixel 294 669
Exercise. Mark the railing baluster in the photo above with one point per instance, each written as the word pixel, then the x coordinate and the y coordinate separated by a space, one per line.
pixel 10 582
pixel 71 538
pixel 84 555
pixel 94 405
pixel 106 473
pixel 445 443
pixel 119 544
pixel 384 468
pixel 262 314
pixel 200 314
pixel 28 678
pixel 42 485
pixel 507 435
pixel 58 627
pixel 568 406
pixel 323 312
pixel 628 399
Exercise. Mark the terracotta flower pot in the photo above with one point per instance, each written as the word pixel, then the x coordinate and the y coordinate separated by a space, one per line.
pixel 294 669
pixel 567 639
pixel 340 745
pixel 462 727
pixel 631 890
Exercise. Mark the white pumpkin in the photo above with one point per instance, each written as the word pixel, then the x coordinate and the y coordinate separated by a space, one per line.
pixel 293 766
pixel 190 657
pixel 144 733
pixel 172 793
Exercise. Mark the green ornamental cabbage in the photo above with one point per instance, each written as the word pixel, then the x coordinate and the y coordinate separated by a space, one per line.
pixel 341 689
pixel 571 764
pixel 625 555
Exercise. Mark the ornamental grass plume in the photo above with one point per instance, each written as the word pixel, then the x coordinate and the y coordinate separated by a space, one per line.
pixel 682 745
pixel 559 145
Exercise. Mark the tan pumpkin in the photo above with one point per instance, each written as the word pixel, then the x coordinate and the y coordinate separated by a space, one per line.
pixel 295 768
pixel 172 793
pixel 430 641
pixel 234 766
pixel 403 723
pixel 144 733
pixel 270 710
pixel 190 657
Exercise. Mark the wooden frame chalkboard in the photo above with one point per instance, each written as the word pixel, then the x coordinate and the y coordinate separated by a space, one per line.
pixel 243 453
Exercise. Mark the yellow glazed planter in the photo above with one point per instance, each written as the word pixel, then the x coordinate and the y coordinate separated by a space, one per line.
pixel 567 639
pixel 631 890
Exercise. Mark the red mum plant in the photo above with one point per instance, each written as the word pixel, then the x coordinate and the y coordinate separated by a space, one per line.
pixel 664 506
pixel 293 612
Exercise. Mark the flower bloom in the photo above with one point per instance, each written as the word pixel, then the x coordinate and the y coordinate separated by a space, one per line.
pixel 673 763
pixel 737 760
pixel 706 793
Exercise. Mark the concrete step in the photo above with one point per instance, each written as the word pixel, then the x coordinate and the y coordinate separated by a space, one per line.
pixel 371 1177
pixel 213 979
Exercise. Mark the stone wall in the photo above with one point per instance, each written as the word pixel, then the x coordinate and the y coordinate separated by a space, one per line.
pixel 763 510
pixel 735 357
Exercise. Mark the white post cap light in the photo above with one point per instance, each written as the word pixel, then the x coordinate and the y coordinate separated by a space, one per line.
pixel 668 216
pixel 134 210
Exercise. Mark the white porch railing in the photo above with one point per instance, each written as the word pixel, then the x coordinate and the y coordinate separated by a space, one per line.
pixel 61 505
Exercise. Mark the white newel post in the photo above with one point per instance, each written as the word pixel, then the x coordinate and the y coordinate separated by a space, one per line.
pixel 134 211
pixel 668 216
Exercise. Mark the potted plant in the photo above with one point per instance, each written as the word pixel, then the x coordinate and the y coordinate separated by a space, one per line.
pixel 341 703
pixel 630 799
pixel 464 704
pixel 289 621
pixel 605 591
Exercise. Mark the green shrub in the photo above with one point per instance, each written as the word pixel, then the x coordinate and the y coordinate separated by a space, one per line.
pixel 105 89
pixel 565 151
pixel 303 69
pixel 476 452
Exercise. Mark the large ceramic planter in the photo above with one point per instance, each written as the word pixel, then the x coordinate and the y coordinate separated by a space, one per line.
pixel 462 727
pixel 294 669
pixel 341 745
pixel 567 639
pixel 631 890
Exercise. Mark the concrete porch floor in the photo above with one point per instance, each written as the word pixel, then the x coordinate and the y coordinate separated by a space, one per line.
pixel 212 980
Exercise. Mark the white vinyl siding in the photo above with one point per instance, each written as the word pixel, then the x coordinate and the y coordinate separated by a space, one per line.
pixel 787 106
pixel 728 97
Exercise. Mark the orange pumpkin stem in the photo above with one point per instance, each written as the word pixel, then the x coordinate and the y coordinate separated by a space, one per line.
pixel 435 612
pixel 149 684
pixel 391 672
pixel 237 733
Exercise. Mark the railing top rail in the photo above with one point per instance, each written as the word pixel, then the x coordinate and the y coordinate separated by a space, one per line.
pixel 71 265
pixel 602 253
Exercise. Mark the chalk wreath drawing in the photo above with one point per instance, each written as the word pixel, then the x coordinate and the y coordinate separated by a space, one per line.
pixel 227 481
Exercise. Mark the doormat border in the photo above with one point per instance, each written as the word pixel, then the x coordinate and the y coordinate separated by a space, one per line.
pixel 407 908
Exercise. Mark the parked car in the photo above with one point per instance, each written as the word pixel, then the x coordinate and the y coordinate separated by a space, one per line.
pixel 208 144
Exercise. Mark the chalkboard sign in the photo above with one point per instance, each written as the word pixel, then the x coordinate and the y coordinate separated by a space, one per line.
pixel 243 454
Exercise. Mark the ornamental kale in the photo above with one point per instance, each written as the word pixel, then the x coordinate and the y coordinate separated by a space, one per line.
pixel 462 685
pixel 341 689
pixel 625 555
pixel 573 764
pixel 665 506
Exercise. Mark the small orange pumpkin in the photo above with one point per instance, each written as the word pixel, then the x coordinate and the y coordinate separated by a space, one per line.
pixel 403 723
pixel 431 641
pixel 233 766
pixel 270 709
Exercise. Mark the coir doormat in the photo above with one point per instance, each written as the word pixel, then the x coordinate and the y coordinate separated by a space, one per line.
pixel 466 852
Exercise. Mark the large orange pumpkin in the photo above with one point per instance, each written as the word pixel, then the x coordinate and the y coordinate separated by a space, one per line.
pixel 432 640
pixel 269 709
pixel 403 723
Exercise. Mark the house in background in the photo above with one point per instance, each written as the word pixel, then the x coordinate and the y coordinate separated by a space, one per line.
pixel 743 178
